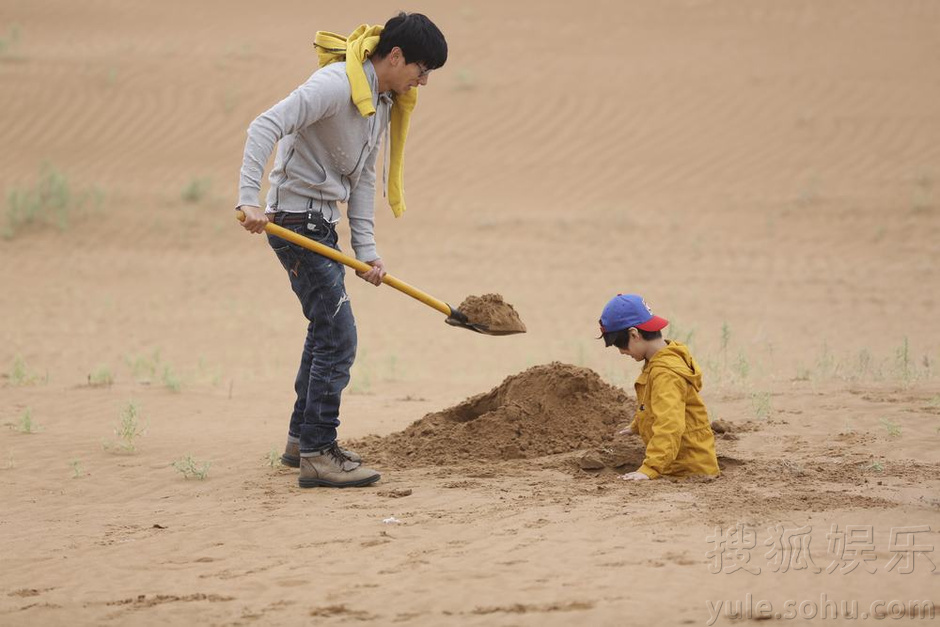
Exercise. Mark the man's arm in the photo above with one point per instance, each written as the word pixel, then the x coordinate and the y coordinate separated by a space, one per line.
pixel 361 211
pixel 320 97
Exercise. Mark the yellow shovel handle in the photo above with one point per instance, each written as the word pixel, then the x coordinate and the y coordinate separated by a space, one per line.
pixel 355 264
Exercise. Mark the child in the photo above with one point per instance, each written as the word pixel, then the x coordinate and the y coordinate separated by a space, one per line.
pixel 670 416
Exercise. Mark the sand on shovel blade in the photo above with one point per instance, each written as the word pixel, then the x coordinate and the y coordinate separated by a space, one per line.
pixel 492 312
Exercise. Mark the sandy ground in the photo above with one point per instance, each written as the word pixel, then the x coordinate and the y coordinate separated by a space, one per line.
pixel 766 174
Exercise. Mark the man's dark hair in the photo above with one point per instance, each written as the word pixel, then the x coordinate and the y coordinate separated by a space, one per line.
pixel 621 339
pixel 417 36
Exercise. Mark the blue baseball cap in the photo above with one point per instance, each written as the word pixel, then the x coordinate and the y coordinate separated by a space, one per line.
pixel 628 310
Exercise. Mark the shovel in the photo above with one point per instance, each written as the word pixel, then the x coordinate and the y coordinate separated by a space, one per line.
pixel 455 317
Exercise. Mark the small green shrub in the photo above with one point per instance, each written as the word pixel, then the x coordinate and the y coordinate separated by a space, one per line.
pixel 725 336
pixel 77 470
pixel 127 430
pixel 191 469
pixel 170 379
pixel 144 367
pixel 26 423
pixel 874 466
pixel 50 202
pixel 20 374
pixel 903 361
pixel 893 428
pixel 101 377
pixel 196 190
pixel 741 366
pixel 761 404
pixel 10 41
pixel 274 458
pixel 465 80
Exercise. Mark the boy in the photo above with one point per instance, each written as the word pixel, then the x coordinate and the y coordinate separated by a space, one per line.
pixel 670 416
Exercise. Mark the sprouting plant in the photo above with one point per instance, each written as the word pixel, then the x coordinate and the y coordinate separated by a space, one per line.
pixel 100 377
pixel 20 373
pixel 902 358
pixel 465 79
pixel 77 470
pixel 680 334
pixel 170 379
pixel 190 468
pixel 803 374
pixel 145 367
pixel 761 403
pixel 274 458
pixel 10 41
pixel 26 423
pixel 893 428
pixel 725 336
pixel 127 430
pixel 196 189
pixel 826 363
pixel 875 466
pixel 741 366
pixel 847 429
pixel 50 201
pixel 934 401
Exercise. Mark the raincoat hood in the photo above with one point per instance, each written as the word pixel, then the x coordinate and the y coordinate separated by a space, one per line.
pixel 677 358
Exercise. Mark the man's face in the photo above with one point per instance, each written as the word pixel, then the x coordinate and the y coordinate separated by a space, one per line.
pixel 407 75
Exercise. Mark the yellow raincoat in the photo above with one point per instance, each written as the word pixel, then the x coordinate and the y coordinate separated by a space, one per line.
pixel 355 49
pixel 671 417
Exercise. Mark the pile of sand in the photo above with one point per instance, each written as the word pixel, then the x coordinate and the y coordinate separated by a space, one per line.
pixel 547 409
pixel 492 312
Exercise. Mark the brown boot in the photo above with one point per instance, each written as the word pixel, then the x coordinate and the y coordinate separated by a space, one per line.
pixel 332 469
pixel 291 456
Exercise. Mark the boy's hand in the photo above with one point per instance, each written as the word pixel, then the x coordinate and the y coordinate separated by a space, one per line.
pixel 634 476
pixel 376 274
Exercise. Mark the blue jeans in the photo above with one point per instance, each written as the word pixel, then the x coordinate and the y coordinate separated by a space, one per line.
pixel 330 346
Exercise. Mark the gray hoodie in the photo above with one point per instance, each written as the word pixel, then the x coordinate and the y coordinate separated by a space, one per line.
pixel 326 153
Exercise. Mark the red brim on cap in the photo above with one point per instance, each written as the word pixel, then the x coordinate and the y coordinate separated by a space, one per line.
pixel 653 324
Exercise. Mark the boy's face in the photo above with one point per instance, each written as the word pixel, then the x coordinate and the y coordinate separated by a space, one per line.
pixel 635 348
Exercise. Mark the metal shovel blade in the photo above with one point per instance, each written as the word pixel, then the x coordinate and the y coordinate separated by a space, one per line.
pixel 459 319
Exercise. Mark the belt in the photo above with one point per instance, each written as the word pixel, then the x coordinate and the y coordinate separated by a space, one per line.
pixel 292 218
pixel 283 217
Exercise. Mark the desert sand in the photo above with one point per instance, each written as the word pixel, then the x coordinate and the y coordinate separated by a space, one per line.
pixel 766 174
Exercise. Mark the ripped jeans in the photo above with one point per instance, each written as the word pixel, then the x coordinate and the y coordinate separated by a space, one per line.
pixel 330 346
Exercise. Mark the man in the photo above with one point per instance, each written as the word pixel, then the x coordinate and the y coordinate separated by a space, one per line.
pixel 328 133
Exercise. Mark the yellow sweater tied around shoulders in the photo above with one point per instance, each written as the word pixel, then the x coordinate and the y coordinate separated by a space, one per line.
pixel 355 50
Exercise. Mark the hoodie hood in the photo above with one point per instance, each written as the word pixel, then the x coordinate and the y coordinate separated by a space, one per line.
pixel 676 357
pixel 355 50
